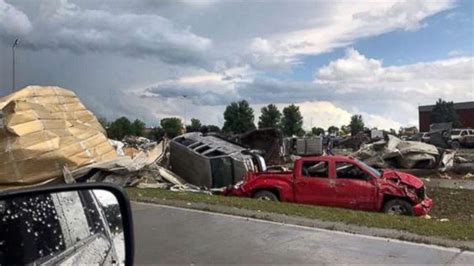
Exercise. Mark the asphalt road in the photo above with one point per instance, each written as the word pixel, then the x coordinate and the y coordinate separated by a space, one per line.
pixel 172 235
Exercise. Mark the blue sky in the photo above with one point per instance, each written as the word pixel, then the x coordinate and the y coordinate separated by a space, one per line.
pixel 332 58
pixel 444 32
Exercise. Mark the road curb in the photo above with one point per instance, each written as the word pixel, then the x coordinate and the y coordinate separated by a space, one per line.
pixel 336 226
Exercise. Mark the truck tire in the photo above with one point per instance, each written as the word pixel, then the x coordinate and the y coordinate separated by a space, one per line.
pixel 398 207
pixel 455 144
pixel 265 195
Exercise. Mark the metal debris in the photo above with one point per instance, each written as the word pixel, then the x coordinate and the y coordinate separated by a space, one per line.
pixel 393 152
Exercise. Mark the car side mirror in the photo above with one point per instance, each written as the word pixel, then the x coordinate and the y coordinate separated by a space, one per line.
pixel 89 223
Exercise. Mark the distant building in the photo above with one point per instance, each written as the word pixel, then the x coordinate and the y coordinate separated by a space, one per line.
pixel 464 110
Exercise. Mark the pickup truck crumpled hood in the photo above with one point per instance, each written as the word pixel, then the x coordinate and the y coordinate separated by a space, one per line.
pixel 405 178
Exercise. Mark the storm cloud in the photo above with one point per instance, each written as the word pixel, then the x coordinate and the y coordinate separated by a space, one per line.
pixel 152 59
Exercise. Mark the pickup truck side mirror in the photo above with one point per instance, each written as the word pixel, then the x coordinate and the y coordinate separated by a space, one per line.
pixel 89 223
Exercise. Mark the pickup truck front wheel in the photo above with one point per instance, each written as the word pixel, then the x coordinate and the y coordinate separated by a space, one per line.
pixel 265 195
pixel 398 207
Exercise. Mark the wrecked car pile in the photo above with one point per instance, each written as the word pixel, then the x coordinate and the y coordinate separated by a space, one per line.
pixel 50 137
pixel 393 152
pixel 418 157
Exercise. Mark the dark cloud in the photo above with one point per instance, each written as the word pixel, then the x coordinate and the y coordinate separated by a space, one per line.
pixel 64 25
pixel 107 51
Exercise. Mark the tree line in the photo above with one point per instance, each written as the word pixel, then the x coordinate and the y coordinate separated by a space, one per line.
pixel 170 127
pixel 239 118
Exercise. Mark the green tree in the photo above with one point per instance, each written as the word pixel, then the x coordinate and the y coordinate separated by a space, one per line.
pixel 292 121
pixel 138 128
pixel 120 128
pixel 270 117
pixel 333 130
pixel 317 131
pixel 195 125
pixel 238 117
pixel 156 134
pixel 443 112
pixel 209 128
pixel 356 125
pixel 172 126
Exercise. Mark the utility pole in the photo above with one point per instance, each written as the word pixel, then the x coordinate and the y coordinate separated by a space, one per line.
pixel 13 64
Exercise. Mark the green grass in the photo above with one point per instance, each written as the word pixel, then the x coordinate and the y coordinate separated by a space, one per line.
pixel 453 204
pixel 459 226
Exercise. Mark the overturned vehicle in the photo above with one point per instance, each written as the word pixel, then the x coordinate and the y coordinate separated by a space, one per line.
pixel 210 161
pixel 393 152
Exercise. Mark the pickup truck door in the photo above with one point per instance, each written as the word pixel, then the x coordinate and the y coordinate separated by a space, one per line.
pixel 312 183
pixel 355 188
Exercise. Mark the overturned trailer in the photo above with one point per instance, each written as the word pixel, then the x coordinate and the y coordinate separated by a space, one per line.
pixel 210 161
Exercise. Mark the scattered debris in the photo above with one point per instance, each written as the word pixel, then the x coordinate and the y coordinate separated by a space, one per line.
pixel 408 132
pixel 152 185
pixel 43 130
pixel 376 134
pixel 303 146
pixel 468 176
pixel 447 160
pixel 51 137
pixel 463 168
pixel 275 149
pixel 353 142
pixel 439 135
pixel 267 140
pixel 444 176
pixel 118 146
pixel 460 159
pixel 393 152
pixel 142 170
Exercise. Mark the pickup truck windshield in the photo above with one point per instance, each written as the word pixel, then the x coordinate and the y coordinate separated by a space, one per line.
pixel 372 170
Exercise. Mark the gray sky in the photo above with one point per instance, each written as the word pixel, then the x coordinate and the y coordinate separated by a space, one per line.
pixel 333 58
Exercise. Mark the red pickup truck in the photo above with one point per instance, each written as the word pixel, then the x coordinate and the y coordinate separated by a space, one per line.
pixel 341 182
